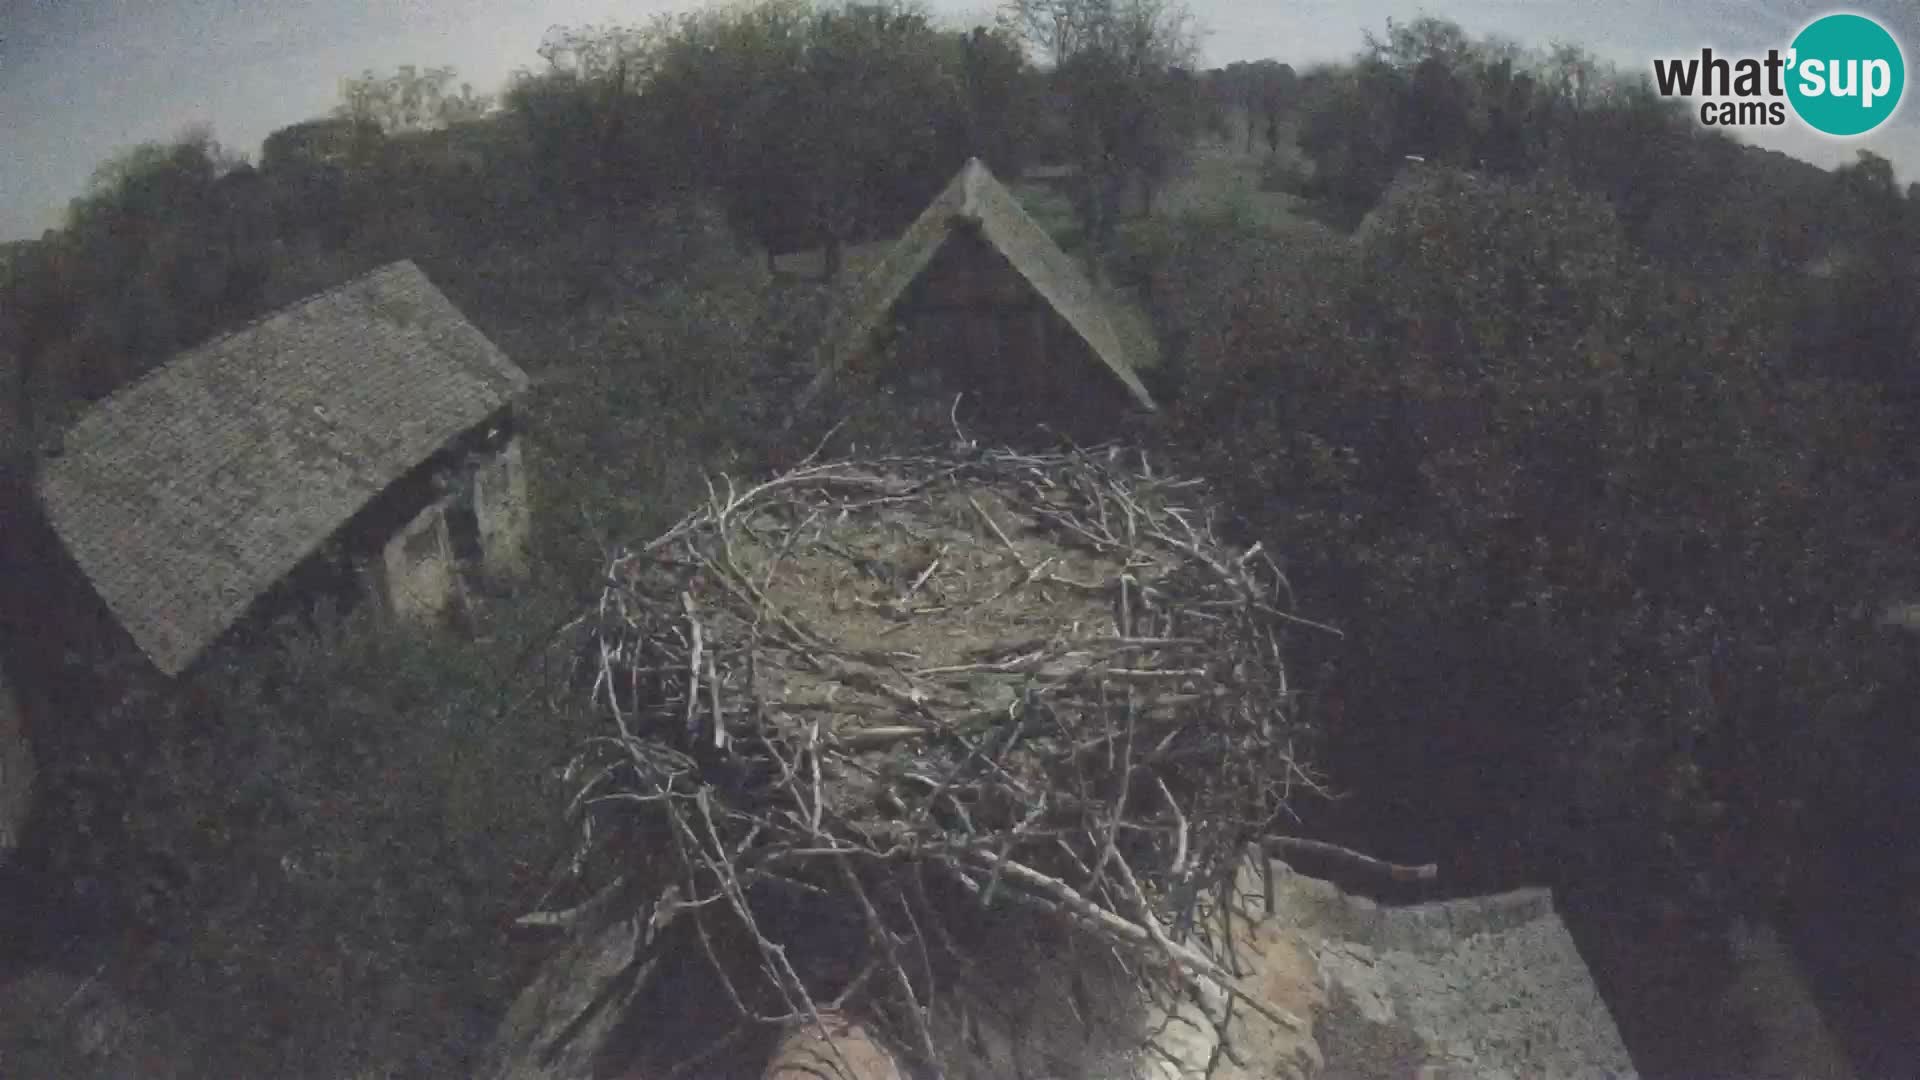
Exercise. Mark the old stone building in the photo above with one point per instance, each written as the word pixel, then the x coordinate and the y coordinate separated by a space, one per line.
pixel 370 425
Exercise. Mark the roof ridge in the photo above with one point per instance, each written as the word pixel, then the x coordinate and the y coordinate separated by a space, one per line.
pixel 990 209
pixel 970 185
pixel 294 305
pixel 251 324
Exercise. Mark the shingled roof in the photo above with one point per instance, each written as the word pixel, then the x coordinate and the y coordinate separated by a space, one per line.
pixel 188 493
pixel 975 200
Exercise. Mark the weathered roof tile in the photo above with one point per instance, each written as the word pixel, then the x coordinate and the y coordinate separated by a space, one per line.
pixel 976 199
pixel 191 491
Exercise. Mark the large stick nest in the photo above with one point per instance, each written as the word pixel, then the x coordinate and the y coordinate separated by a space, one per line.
pixel 888 693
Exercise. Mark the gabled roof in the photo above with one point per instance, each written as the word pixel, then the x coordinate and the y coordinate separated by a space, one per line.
pixel 977 201
pixel 188 493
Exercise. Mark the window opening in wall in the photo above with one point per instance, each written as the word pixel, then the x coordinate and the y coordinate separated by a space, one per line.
pixel 463 529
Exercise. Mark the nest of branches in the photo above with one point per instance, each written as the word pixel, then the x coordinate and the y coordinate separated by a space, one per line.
pixel 857 705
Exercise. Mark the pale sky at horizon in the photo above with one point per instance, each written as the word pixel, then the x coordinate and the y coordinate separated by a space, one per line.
pixel 81 79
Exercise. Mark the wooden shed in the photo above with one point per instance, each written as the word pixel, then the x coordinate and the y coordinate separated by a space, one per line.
pixel 372 420
pixel 976 289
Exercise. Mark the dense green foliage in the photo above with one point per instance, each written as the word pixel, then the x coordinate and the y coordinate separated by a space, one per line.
pixel 811 124
pixel 342 824
pixel 1263 91
pixel 1553 489
pixel 1607 472
pixel 168 244
pixel 1129 102
pixel 409 100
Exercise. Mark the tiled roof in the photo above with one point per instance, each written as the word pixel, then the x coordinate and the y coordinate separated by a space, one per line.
pixel 191 491
pixel 974 198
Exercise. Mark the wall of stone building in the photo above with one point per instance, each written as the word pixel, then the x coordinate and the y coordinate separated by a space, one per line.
pixel 416 572
pixel 16 773
pixel 501 511
pixel 973 324
pixel 1791 1038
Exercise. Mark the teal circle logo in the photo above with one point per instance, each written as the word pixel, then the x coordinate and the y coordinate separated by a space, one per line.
pixel 1845 74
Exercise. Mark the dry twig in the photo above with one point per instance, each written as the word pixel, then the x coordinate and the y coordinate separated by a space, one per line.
pixel 1138 744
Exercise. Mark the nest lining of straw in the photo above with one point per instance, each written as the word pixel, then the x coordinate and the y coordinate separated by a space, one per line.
pixel 896 693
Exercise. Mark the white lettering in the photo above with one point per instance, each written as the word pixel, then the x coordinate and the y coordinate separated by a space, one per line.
pixel 1813 77
pixel 1878 81
pixel 1845 86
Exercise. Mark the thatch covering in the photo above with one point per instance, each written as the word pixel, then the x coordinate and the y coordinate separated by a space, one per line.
pixel 861 714
pixel 188 493
pixel 976 202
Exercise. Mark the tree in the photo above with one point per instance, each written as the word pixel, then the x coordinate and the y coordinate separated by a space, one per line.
pixel 1145 33
pixel 34 311
pixel 1352 133
pixel 410 99
pixel 724 96
pixel 1510 123
pixel 1113 63
pixel 586 124
pixel 1866 316
pixel 820 126
pixel 869 162
pixel 1575 76
pixel 1435 114
pixel 814 126
pixel 170 241
pixel 555 114
pixel 1485 105
pixel 1058 28
pixel 464 107
pixel 999 96
pixel 310 167
pixel 145 216
pixel 328 141
pixel 1272 95
pixel 1407 45
pixel 1594 532
pixel 1106 109
pixel 604 68
pixel 1261 92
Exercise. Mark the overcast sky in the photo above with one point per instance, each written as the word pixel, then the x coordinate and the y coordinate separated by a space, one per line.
pixel 80 79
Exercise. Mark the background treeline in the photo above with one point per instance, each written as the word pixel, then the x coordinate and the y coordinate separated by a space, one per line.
pixel 805 125
pixel 1592 435
pixel 1587 365
pixel 1596 434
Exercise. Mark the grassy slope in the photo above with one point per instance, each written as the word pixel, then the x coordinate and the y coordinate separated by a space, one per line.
pixel 1222 178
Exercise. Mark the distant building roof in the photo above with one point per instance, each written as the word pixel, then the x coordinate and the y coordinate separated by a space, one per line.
pixel 188 493
pixel 976 200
